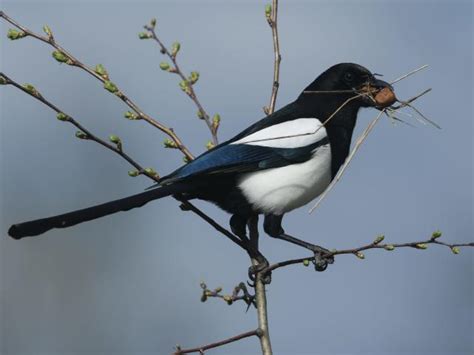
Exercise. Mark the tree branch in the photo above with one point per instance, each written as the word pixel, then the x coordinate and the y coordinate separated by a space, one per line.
pixel 201 349
pixel 271 12
pixel 376 244
pixel 187 84
pixel 63 56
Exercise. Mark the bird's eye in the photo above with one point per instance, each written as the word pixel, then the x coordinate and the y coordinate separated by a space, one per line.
pixel 348 77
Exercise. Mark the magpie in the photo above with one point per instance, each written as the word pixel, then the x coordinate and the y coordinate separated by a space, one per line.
pixel 276 165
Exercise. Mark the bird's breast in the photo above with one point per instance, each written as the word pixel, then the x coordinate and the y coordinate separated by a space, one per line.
pixel 280 190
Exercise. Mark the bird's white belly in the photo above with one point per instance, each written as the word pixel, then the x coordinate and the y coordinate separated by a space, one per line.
pixel 279 190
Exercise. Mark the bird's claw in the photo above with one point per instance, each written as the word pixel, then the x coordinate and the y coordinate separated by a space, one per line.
pixel 322 258
pixel 255 270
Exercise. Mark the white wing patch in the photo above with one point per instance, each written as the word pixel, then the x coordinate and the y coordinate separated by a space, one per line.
pixel 290 134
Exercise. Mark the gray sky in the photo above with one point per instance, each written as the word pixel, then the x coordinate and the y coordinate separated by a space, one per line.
pixel 129 283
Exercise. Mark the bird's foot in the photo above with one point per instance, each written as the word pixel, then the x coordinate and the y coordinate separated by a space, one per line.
pixel 322 257
pixel 257 269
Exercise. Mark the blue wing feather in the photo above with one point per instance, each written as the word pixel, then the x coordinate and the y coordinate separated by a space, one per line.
pixel 241 158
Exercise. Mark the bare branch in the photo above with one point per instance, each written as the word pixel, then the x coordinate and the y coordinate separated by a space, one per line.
pixel 201 349
pixel 376 244
pixel 64 56
pixel 272 19
pixel 239 293
pixel 187 84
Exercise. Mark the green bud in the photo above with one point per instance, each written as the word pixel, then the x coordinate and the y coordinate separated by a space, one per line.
pixel 60 57
pixel 62 116
pixel 422 246
pixel 164 66
pixel 360 255
pixel 389 247
pixel 200 114
pixel 455 250
pixel 151 171
pixel 228 299
pixel 306 262
pixel 209 145
pixel 133 173
pixel 47 30
pixel 379 239
pixel 183 84
pixel 100 69
pixel 81 135
pixel 216 120
pixel 175 47
pixel 114 139
pixel 153 22
pixel 186 159
pixel 268 10
pixel 110 86
pixel 217 290
pixel 3 80
pixel 14 34
pixel 144 35
pixel 131 115
pixel 31 89
pixel 168 143
pixel 436 234
pixel 194 77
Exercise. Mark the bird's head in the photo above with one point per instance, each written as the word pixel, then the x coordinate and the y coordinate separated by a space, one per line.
pixel 350 85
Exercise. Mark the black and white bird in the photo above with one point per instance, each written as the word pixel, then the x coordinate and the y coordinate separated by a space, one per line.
pixel 276 165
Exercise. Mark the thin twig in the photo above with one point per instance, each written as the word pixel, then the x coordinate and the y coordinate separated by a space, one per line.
pixel 273 22
pixel 73 61
pixel 339 174
pixel 201 349
pixel 239 293
pixel 409 74
pixel 376 244
pixel 191 93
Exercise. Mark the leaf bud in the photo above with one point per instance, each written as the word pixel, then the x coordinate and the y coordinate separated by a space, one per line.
pixel 164 66
pixel 144 35
pixel 133 173
pixel 62 116
pixel 60 57
pixel 110 86
pixel 14 34
pixel 379 239
pixel 115 139
pixel 436 234
pixel 81 135
pixel 175 47
pixel 168 143
pixel 131 115
pixel 389 247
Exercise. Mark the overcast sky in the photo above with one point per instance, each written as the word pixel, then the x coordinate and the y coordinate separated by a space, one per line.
pixel 129 283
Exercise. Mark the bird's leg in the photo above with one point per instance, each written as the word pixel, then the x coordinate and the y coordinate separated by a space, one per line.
pixel 260 262
pixel 272 226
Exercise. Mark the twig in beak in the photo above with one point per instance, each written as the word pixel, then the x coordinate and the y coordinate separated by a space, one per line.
pixel 338 176
pixel 409 74
pixel 422 115
pixel 390 113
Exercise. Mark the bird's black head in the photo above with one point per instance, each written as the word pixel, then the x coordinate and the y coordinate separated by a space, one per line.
pixel 340 83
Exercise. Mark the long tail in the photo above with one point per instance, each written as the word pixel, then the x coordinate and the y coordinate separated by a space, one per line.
pixel 40 226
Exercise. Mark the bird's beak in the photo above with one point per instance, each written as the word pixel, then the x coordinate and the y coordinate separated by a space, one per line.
pixel 378 94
